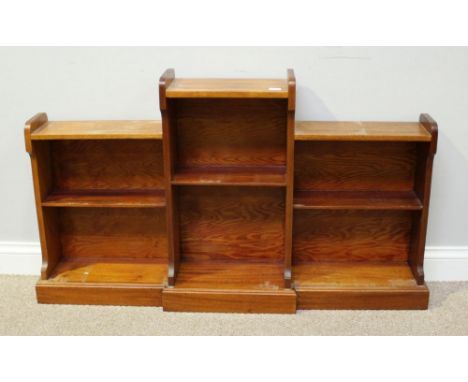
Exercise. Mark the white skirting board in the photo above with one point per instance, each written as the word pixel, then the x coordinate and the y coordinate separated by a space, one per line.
pixel 441 264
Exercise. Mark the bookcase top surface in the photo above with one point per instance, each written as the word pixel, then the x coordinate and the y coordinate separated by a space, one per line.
pixel 227 88
pixel 98 130
pixel 361 131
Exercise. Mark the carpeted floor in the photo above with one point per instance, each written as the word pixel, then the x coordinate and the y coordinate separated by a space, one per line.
pixel 21 315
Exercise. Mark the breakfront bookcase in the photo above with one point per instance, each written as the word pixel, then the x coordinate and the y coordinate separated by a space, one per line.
pixel 229 205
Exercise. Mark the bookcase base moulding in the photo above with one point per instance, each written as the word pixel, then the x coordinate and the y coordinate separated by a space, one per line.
pixel 230 205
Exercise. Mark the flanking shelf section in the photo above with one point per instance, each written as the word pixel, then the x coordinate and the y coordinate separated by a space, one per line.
pixel 106 198
pixel 229 205
pixel 359 200
pixel 358 285
pixel 234 176
pixel 361 131
pixel 60 130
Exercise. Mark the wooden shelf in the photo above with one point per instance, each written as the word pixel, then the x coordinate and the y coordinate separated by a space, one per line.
pixel 227 88
pixel 231 176
pixel 105 270
pixel 104 282
pixel 106 198
pixel 361 131
pixel 59 130
pixel 344 285
pixel 230 287
pixel 253 276
pixel 353 275
pixel 362 200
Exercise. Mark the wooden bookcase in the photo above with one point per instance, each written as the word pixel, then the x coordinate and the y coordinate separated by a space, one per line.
pixel 99 190
pixel 360 213
pixel 228 150
pixel 228 205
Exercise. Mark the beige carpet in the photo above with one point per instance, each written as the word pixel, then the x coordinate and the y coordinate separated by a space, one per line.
pixel 21 315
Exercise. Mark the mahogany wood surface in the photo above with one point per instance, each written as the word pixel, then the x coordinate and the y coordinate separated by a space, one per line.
pixel 274 176
pixel 231 207
pixel 416 298
pixel 423 190
pixel 169 153
pixel 244 224
pixel 288 221
pixel 359 200
pixel 349 235
pixel 105 198
pixel 227 88
pixel 99 293
pixel 337 285
pixel 105 270
pixel 230 132
pixel 228 301
pixel 107 164
pixel 42 181
pixel 61 130
pixel 357 166
pixel 137 233
pixel 361 131
pixel 235 276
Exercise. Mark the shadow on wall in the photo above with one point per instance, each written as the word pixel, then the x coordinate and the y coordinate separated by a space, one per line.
pixel 311 107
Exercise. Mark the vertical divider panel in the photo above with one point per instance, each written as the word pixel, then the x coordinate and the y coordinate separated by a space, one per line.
pixel 167 113
pixel 289 178
pixel 423 178
pixel 47 218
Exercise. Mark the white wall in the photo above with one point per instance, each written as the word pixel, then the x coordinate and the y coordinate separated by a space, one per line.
pixel 394 84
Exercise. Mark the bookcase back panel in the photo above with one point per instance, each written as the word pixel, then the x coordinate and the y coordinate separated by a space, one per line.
pixel 113 233
pixel 353 235
pixel 230 132
pixel 108 164
pixel 329 166
pixel 244 224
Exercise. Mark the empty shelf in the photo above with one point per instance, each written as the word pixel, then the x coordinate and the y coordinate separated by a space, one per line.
pixel 353 275
pixel 106 198
pixel 227 88
pixel 242 176
pixel 361 131
pixel 108 271
pixel 363 200
pixel 253 276
pixel 58 130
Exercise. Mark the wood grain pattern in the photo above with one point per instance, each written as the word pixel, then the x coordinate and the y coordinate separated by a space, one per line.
pixel 227 88
pixel 113 233
pixel 349 236
pixel 61 130
pixel 361 131
pixel 229 301
pixel 116 165
pixel 105 198
pixel 232 224
pixel 359 200
pixel 39 153
pixel 105 270
pixel 230 132
pixel 98 293
pixel 423 190
pixel 169 154
pixel 237 276
pixel 361 275
pixel 358 166
pixel 274 176
pixel 414 298
pixel 358 286
pixel 288 222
